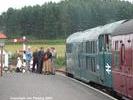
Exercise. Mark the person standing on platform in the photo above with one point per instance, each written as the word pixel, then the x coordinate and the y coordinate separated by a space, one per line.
pixel 54 54
pixel 40 60
pixel 35 60
pixel 28 58
pixel 47 64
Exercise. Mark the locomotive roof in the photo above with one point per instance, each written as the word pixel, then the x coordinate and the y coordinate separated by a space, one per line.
pixel 93 33
pixel 125 28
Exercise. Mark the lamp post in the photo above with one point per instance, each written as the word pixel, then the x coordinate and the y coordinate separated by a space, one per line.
pixel 2 44
pixel 24 46
pixel 1 57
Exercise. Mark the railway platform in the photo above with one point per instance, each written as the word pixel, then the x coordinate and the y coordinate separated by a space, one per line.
pixel 31 86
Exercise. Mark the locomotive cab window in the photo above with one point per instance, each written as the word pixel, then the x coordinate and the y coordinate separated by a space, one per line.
pixel 104 42
pixel 107 41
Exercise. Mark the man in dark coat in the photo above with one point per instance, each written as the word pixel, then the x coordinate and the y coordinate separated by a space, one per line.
pixel 40 60
pixel 35 60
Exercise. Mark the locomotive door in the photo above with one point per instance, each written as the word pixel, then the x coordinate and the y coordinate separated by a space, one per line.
pixel 105 60
pixel 122 66
pixel 129 70
pixel 126 63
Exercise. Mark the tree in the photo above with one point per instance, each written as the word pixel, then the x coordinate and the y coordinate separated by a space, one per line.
pixel 59 20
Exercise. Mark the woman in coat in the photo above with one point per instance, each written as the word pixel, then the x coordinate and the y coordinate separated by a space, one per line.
pixel 47 62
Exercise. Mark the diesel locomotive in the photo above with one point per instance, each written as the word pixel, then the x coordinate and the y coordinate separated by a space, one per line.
pixel 103 55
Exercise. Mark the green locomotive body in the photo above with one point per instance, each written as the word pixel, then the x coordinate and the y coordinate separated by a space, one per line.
pixel 88 55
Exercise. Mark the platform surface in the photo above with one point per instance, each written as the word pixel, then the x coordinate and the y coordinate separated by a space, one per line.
pixel 32 86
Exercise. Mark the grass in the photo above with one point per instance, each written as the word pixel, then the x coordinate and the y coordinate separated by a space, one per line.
pixel 60 49
pixel 18 47
pixel 48 42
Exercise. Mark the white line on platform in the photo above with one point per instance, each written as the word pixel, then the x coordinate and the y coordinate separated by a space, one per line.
pixel 89 86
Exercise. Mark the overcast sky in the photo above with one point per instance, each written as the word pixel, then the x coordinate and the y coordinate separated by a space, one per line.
pixel 5 4
pixel 129 0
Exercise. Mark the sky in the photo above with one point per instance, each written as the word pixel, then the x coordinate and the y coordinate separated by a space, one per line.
pixel 5 4
pixel 128 0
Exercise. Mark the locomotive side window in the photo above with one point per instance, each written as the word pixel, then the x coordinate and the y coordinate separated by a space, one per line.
pixel 116 54
pixel 94 46
pixel 101 43
pixel 91 47
pixel 88 47
pixel 122 54
pixel 116 45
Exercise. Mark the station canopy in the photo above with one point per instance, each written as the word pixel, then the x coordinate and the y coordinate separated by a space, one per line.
pixel 93 33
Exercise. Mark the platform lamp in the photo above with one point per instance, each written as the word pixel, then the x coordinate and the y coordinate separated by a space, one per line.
pixel 3 38
pixel 24 45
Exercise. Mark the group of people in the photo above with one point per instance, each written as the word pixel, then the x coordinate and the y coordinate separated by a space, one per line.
pixel 40 61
